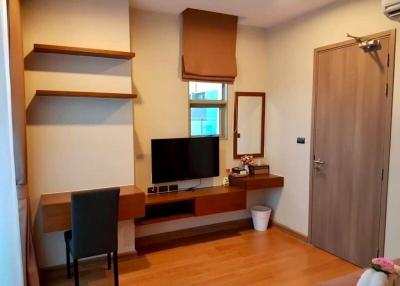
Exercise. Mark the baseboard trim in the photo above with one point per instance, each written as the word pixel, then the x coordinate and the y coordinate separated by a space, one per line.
pixel 168 239
pixel 290 231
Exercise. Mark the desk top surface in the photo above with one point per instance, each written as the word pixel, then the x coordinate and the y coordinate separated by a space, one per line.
pixel 65 197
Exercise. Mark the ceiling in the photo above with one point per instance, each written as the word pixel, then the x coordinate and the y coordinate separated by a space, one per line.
pixel 261 13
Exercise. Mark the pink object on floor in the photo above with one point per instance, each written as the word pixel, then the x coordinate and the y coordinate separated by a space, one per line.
pixel 383 264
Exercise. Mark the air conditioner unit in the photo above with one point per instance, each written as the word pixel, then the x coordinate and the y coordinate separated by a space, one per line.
pixel 391 8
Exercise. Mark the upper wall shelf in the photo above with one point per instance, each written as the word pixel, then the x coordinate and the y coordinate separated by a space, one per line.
pixel 39 48
pixel 84 94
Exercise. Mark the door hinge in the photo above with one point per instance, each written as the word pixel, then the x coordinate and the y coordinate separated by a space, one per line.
pixel 386 89
pixel 382 173
pixel 388 60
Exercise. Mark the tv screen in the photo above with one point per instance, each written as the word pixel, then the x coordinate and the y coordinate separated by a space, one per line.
pixel 184 159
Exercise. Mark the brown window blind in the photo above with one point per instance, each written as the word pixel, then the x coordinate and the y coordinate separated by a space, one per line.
pixel 209 46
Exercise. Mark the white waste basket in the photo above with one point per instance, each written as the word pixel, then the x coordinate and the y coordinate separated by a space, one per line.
pixel 260 215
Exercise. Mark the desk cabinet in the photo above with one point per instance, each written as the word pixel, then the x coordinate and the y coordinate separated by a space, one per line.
pixel 220 203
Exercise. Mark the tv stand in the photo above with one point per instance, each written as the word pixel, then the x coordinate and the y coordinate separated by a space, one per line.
pixel 205 201
pixel 196 202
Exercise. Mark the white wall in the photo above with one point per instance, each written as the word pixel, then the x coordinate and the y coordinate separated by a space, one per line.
pixel 162 111
pixel 77 143
pixel 11 270
pixel 289 85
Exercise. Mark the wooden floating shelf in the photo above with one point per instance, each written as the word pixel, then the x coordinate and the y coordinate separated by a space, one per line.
pixel 53 49
pixel 257 182
pixel 144 221
pixel 84 94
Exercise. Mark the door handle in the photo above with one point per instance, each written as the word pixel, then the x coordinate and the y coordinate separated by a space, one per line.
pixel 318 164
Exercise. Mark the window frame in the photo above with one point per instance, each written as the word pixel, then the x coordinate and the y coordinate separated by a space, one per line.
pixel 221 104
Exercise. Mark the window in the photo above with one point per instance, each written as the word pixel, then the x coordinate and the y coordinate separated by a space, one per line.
pixel 207 103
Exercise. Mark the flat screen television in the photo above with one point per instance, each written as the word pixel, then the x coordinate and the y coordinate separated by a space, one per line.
pixel 184 159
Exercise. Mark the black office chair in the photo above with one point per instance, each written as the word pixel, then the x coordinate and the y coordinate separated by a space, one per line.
pixel 94 220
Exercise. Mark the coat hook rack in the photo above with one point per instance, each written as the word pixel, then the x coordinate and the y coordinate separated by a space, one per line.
pixel 367 45
pixel 358 39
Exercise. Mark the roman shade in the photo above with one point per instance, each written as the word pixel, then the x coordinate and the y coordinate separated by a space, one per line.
pixel 209 46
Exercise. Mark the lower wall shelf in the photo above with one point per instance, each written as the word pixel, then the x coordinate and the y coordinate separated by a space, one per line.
pixel 144 221
pixel 84 94
pixel 168 211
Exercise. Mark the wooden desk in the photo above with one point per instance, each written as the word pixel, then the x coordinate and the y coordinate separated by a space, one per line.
pixel 134 204
pixel 56 208
pixel 257 182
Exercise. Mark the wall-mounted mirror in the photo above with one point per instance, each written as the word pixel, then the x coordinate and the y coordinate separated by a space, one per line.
pixel 249 124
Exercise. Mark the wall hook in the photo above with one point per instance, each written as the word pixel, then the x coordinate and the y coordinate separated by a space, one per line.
pixel 367 45
pixel 358 39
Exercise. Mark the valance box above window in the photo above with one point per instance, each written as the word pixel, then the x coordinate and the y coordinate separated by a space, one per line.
pixel 209 46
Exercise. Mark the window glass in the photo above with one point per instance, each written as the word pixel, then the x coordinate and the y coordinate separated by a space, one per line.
pixel 206 90
pixel 204 121
pixel 207 108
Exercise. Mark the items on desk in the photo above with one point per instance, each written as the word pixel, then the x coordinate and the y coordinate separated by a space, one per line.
pixel 162 189
pixel 250 167
pixel 246 161
pixel 239 171
pixel 258 169
pixel 225 181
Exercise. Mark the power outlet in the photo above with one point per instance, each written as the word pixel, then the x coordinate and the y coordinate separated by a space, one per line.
pixel 162 189
pixel 152 190
pixel 173 188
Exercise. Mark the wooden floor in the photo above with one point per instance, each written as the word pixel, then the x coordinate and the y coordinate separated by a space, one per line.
pixel 241 258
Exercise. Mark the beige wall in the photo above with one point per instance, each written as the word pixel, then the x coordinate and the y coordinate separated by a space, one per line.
pixel 162 111
pixel 87 143
pixel 289 85
pixel 79 143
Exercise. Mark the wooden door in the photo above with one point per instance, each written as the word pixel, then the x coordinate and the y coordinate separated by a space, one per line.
pixel 350 153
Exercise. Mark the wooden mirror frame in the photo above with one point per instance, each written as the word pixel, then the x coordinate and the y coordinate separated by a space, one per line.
pixel 235 124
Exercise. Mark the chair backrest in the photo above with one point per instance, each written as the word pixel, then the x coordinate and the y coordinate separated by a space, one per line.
pixel 94 222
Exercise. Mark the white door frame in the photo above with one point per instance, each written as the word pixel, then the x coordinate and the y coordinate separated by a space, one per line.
pixel 11 269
